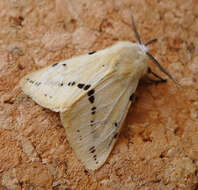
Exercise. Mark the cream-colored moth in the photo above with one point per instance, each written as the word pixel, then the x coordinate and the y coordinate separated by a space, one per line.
pixel 93 93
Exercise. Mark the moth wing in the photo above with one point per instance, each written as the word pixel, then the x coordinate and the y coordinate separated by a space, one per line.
pixel 92 127
pixel 58 86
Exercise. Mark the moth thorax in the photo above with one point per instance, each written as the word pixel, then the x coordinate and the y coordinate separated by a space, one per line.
pixel 142 65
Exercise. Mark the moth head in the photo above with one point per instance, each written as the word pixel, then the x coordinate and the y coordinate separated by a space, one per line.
pixel 144 48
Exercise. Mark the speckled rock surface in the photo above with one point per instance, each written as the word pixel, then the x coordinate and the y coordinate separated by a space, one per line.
pixel 158 146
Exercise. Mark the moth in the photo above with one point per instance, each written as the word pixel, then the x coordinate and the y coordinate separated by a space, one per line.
pixel 93 93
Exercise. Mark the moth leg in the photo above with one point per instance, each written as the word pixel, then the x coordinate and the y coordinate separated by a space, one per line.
pixel 158 80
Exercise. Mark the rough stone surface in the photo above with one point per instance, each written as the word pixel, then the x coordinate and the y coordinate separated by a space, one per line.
pixel 158 146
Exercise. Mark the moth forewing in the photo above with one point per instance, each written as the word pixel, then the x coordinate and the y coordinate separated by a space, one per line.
pixel 58 86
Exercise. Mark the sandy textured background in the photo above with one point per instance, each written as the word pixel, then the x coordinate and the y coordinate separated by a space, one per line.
pixel 158 146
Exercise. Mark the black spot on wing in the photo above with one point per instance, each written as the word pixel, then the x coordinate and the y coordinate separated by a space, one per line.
pixel 80 85
pixel 116 124
pixel 72 83
pixel 90 92
pixel 83 86
pixel 93 108
pixel 115 136
pixel 87 87
pixel 92 149
pixel 92 99
pixel 92 123
pixel 55 64
pixel 38 83
pixel 90 53
pixel 64 64
pixel 131 98
pixel 95 157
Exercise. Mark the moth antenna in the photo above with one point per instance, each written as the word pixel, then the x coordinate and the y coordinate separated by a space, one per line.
pixel 150 56
pixel 135 29
pixel 151 41
pixel 162 69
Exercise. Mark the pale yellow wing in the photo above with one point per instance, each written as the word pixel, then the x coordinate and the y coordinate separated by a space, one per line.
pixel 60 85
pixel 93 123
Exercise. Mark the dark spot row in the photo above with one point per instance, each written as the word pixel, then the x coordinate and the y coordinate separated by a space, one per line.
pixel 71 83
pixel 83 86
pixel 93 110
pixel 33 82
pixel 79 85
pixel 91 123
pixel 91 96
pixel 95 157
pixel 47 96
pixel 55 64
pixel 92 149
